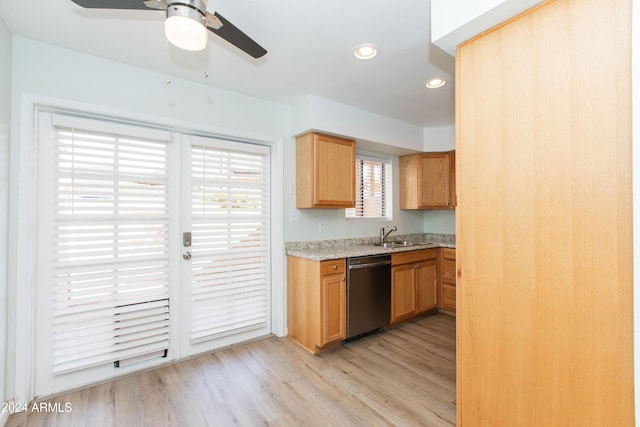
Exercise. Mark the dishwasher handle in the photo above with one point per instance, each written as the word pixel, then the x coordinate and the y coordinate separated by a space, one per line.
pixel 369 265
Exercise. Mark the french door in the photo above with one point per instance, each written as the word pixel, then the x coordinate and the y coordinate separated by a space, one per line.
pixel 152 246
pixel 225 242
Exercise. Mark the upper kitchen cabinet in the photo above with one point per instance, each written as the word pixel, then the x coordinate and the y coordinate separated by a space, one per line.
pixel 428 181
pixel 325 171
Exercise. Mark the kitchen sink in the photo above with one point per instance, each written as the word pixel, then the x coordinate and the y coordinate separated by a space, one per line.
pixel 398 244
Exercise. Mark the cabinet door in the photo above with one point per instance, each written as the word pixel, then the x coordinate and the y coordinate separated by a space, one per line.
pixel 453 198
pixel 335 163
pixel 426 285
pixel 449 271
pixel 403 294
pixel 448 279
pixel 449 297
pixel 434 183
pixel 333 308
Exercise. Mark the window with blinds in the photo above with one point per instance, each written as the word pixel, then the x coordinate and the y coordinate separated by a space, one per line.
pixel 230 235
pixel 373 183
pixel 110 237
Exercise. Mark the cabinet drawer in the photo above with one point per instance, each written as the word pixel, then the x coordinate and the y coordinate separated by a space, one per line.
pixel 449 271
pixel 413 256
pixel 449 297
pixel 332 266
pixel 448 253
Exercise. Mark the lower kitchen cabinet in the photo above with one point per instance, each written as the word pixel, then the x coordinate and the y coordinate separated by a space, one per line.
pixel 403 292
pixel 316 300
pixel 448 279
pixel 413 283
pixel 333 308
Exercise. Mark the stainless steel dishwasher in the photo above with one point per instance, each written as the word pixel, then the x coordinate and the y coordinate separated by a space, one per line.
pixel 368 294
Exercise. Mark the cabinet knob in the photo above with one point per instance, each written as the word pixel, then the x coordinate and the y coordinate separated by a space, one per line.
pixel 335 267
pixel 344 279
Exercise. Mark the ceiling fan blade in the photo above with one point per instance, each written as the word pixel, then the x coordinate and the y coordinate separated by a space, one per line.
pixel 114 4
pixel 233 35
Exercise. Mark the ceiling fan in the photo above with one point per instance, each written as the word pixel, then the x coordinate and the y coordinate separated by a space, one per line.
pixel 187 22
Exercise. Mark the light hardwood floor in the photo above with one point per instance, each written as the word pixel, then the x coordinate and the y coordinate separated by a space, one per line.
pixel 402 377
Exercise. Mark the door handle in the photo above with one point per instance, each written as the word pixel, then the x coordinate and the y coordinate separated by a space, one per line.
pixel 186 255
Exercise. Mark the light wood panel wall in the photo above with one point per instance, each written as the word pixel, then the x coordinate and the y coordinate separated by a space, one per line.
pixel 544 228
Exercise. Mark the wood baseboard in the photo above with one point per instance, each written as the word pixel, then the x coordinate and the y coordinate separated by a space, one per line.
pixel 447 312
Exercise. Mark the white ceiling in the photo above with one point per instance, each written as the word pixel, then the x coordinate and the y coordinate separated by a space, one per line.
pixel 309 45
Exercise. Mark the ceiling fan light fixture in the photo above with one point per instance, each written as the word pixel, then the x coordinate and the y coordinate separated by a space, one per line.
pixel 185 26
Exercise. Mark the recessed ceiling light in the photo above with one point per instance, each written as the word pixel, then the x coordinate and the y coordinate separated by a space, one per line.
pixel 435 83
pixel 365 51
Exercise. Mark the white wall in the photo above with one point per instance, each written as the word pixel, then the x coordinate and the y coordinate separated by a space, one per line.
pixel 453 22
pixel 439 139
pixel 336 226
pixel 61 73
pixel 5 118
pixel 374 135
pixel 372 131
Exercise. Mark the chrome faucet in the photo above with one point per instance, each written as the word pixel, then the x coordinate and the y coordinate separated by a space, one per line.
pixel 384 234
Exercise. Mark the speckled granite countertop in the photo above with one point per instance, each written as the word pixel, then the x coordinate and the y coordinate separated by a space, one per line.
pixel 321 250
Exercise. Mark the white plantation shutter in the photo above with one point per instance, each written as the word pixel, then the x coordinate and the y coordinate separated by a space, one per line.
pixel 230 239
pixel 373 180
pixel 111 257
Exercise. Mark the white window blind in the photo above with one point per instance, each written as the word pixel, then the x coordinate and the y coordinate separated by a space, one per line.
pixel 230 250
pixel 111 261
pixel 373 180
